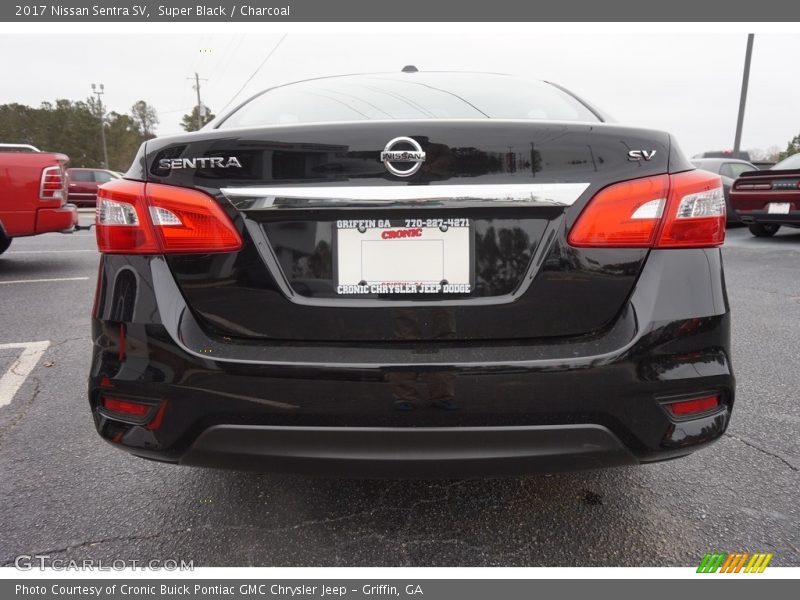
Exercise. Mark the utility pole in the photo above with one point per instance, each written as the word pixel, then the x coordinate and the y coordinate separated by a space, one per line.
pixel 99 91
pixel 743 98
pixel 201 110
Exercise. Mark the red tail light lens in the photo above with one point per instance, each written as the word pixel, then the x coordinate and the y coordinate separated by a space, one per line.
pixel 688 407
pixel 122 226
pixel 139 218
pixel 52 185
pixel 190 221
pixel 623 215
pixel 754 186
pixel 686 210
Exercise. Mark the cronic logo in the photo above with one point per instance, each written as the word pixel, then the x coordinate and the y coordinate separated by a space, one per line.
pixel 393 234
pixel 413 156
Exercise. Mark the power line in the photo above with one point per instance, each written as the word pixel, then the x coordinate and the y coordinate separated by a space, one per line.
pixel 225 54
pixel 249 79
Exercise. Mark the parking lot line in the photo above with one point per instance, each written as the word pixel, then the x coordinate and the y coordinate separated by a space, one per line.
pixel 16 375
pixel 44 281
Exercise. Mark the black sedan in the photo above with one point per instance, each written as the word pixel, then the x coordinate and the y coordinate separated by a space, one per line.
pixel 412 274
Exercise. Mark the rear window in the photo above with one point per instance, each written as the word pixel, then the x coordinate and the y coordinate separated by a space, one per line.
pixel 103 176
pixel 733 170
pixel 410 96
pixel 81 176
pixel 793 162
pixel 705 165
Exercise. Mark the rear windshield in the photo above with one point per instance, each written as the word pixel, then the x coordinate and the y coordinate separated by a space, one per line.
pixel 410 96
pixel 81 175
pixel 793 162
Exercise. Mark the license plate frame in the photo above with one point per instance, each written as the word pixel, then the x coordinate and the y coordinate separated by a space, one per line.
pixel 404 257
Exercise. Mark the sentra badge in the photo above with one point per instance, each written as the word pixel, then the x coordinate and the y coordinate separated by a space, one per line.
pixel 206 162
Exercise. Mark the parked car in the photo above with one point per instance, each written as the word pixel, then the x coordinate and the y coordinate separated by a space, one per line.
pixel 728 169
pixel 495 281
pixel 766 200
pixel 33 195
pixel 741 155
pixel 83 184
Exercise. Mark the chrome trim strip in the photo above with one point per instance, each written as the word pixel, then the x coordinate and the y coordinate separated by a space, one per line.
pixel 274 197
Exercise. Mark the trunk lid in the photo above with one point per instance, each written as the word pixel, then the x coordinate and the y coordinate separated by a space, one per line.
pixel 508 190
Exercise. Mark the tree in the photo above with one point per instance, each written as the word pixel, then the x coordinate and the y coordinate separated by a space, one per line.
pixel 146 118
pixel 771 154
pixel 73 128
pixel 123 139
pixel 17 124
pixel 190 121
pixel 792 147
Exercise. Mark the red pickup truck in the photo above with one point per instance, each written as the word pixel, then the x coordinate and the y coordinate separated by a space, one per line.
pixel 33 194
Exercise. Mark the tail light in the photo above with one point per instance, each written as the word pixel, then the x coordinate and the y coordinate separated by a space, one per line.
pixel 686 210
pixel 150 218
pixel 53 184
pixel 754 186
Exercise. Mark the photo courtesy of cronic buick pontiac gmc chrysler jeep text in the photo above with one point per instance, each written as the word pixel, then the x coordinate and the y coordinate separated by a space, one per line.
pixel 412 274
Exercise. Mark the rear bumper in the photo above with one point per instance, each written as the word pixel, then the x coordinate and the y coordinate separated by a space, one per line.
pixel 417 452
pixel 426 452
pixel 792 218
pixel 64 218
pixel 435 409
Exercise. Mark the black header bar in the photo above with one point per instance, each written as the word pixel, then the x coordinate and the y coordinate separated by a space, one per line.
pixel 289 11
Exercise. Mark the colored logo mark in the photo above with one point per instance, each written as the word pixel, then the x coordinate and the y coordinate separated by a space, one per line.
pixel 734 562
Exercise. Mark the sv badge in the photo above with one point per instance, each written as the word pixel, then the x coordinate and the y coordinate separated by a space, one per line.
pixel 637 155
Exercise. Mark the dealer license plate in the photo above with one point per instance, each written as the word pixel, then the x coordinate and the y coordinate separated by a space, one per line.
pixel 403 256
pixel 778 208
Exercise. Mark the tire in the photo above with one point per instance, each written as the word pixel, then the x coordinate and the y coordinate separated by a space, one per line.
pixel 763 229
pixel 5 242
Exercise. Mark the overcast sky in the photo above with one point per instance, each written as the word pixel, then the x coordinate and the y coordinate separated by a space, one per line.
pixel 686 84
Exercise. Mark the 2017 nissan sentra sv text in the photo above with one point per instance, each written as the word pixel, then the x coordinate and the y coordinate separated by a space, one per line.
pixel 412 274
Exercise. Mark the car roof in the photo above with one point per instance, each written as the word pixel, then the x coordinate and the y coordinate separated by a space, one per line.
pixel 399 74
pixel 709 161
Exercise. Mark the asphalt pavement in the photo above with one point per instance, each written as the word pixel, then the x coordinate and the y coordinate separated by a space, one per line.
pixel 66 493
